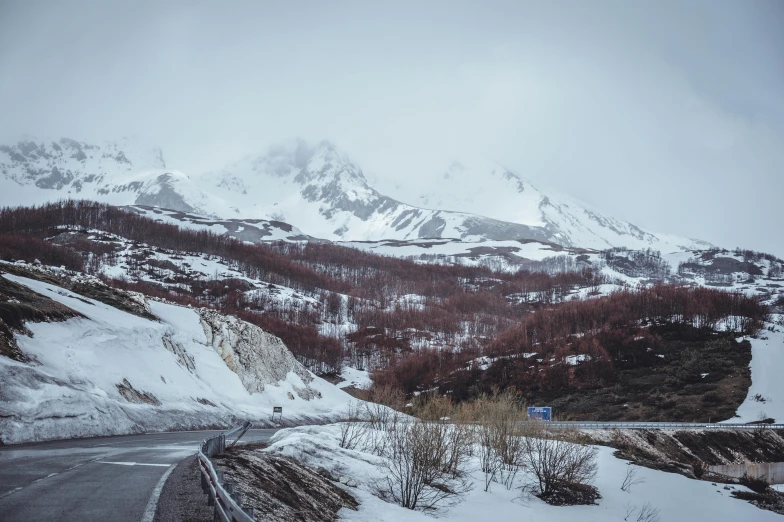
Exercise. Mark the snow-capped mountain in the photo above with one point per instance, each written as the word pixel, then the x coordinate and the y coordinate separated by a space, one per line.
pixel 491 190
pixel 119 173
pixel 322 192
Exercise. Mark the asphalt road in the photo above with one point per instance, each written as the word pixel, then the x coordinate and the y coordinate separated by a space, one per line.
pixel 669 426
pixel 103 478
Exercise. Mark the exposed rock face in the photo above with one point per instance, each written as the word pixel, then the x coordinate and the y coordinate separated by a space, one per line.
pixel 135 396
pixel 257 357
pixel 164 194
pixel 183 357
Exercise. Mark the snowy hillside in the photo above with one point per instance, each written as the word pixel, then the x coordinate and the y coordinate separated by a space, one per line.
pixel 507 255
pixel 112 372
pixel 752 273
pixel 765 399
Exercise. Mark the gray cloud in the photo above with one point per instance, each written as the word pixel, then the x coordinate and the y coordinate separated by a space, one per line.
pixel 668 114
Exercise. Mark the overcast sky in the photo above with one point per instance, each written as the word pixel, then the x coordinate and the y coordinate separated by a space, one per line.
pixel 669 114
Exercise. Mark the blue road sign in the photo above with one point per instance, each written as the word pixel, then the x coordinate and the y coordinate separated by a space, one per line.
pixel 544 413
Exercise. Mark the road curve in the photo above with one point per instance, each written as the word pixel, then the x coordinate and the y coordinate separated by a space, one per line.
pixel 103 478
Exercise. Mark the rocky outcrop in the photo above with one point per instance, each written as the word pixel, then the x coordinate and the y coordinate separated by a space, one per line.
pixel 257 357
pixel 184 359
pixel 135 396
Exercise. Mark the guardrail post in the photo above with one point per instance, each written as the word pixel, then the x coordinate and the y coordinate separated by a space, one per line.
pixel 227 504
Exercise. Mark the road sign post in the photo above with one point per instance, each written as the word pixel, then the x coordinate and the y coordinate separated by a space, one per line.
pixel 543 413
pixel 277 410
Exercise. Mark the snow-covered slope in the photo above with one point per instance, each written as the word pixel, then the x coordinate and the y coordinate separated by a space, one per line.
pixel 112 372
pixel 766 394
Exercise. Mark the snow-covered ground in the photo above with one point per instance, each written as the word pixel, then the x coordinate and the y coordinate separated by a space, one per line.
pixel 113 373
pixel 676 497
pixel 766 393
pixel 353 377
pixel 506 256
pixel 249 230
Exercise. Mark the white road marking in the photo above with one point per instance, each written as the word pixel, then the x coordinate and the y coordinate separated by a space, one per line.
pixel 133 464
pixel 50 475
pixel 152 505
pixel 9 492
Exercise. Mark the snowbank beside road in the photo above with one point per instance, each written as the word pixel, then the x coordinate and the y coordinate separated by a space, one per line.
pixel 677 497
pixel 115 373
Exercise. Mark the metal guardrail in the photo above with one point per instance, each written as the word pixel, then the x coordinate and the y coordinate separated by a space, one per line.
pixel 595 425
pixel 221 494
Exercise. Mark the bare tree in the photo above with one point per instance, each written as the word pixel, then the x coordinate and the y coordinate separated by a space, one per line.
pixel 382 403
pixel 440 410
pixel 420 470
pixel 489 458
pixel 353 428
pixel 501 423
pixel 631 479
pixel 380 412
pixel 557 460
pixel 646 513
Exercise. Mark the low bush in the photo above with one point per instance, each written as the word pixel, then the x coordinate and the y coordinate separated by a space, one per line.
pixel 756 484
